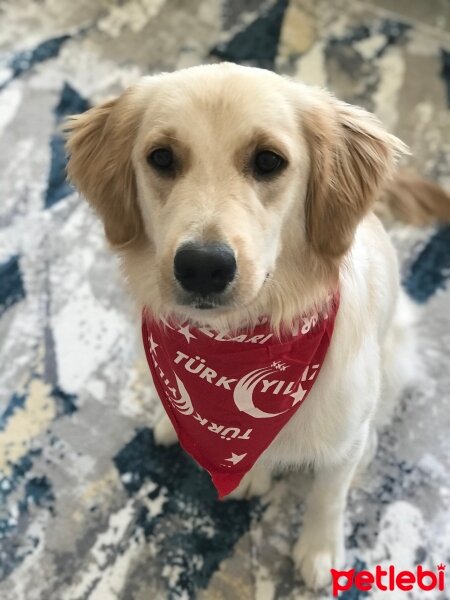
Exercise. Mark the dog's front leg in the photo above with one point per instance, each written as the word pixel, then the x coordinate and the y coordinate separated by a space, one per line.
pixel 164 432
pixel 321 544
pixel 255 483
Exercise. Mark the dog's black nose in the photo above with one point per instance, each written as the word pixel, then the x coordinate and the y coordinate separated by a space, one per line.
pixel 204 269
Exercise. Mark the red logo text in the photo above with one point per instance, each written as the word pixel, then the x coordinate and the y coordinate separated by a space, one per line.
pixel 388 579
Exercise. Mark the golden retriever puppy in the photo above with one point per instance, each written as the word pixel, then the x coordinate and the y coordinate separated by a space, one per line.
pixel 232 194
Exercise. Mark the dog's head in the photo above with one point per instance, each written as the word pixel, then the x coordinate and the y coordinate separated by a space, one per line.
pixel 226 187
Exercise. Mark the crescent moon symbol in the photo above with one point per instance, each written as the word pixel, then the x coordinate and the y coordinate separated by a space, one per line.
pixel 243 394
pixel 184 404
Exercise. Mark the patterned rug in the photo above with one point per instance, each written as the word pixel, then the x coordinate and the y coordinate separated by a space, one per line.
pixel 90 508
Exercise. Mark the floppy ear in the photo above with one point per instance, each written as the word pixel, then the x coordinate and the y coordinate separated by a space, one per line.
pixel 99 144
pixel 351 157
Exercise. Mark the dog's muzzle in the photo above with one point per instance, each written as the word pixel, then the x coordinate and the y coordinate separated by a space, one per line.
pixel 204 270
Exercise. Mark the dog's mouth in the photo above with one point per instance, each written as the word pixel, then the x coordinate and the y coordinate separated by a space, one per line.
pixel 210 302
pixel 220 303
pixel 205 305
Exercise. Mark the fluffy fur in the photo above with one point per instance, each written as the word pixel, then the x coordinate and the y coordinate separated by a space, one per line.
pixel 296 236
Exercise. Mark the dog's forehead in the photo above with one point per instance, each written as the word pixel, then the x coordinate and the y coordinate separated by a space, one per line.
pixel 220 102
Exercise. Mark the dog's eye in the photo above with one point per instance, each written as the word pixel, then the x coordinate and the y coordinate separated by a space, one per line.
pixel 162 159
pixel 267 162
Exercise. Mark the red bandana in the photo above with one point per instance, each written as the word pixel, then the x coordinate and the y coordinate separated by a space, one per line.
pixel 229 396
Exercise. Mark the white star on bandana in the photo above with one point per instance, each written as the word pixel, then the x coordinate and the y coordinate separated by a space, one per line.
pixel 235 458
pixel 187 334
pixel 153 345
pixel 298 395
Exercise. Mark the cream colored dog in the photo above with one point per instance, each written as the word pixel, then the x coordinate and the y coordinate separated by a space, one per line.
pixel 282 177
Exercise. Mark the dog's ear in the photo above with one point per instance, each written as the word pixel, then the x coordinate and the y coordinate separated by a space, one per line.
pixel 351 157
pixel 99 144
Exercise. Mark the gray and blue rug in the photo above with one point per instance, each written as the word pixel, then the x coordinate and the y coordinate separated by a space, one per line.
pixel 90 508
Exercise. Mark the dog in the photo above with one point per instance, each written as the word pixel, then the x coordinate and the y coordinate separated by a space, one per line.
pixel 272 185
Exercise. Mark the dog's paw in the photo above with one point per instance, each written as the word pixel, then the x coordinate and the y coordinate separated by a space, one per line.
pixel 255 483
pixel 164 432
pixel 315 561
